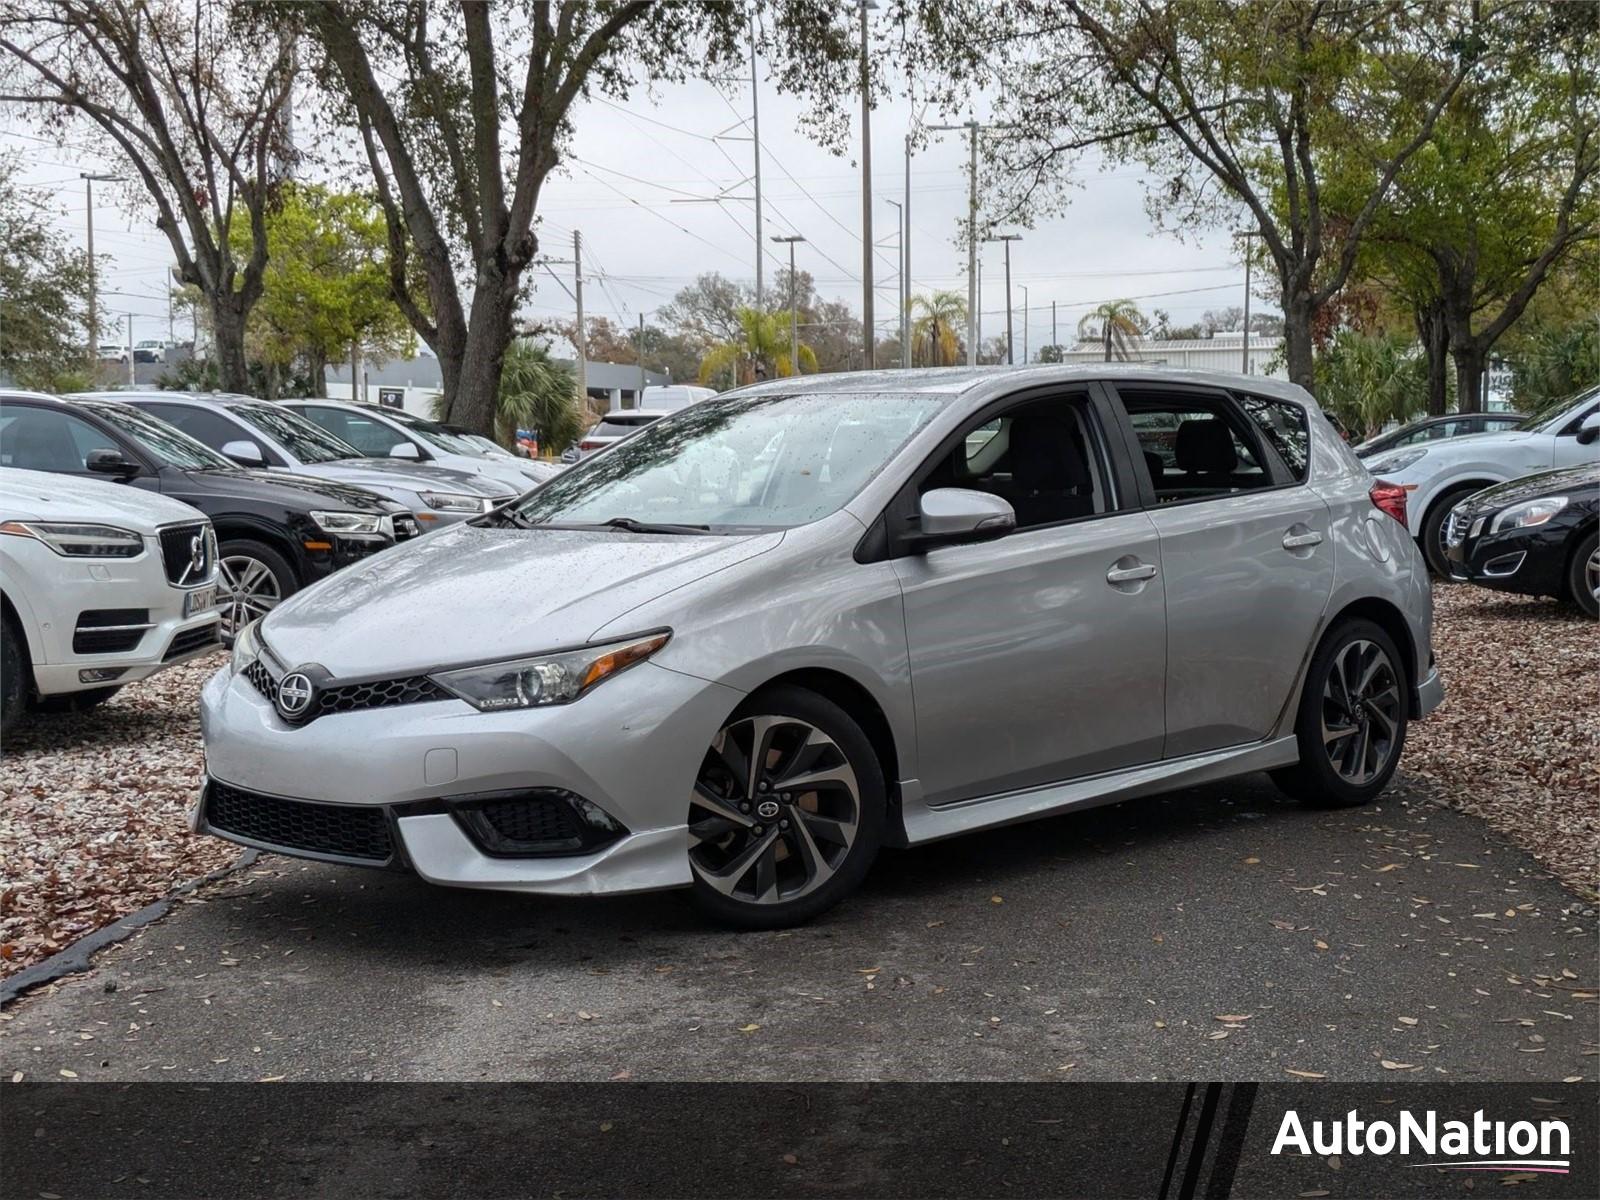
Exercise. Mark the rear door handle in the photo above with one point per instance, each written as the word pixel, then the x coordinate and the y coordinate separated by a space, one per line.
pixel 1136 574
pixel 1301 541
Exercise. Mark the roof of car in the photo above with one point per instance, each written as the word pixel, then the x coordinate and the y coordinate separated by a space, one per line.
pixel 953 381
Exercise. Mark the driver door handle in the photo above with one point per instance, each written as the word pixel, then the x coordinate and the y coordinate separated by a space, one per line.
pixel 1301 541
pixel 1131 574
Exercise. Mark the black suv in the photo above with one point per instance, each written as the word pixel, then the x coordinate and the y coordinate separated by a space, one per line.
pixel 275 532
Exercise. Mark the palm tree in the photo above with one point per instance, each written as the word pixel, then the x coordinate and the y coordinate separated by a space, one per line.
pixel 1116 323
pixel 935 321
pixel 536 392
pixel 1368 380
pixel 761 349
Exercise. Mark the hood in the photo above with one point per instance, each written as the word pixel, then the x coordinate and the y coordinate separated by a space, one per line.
pixel 294 491
pixel 1520 450
pixel 519 473
pixel 380 473
pixel 473 594
pixel 46 496
pixel 1531 487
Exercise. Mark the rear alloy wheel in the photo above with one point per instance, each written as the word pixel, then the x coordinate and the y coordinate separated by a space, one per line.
pixel 251 579
pixel 1583 575
pixel 787 811
pixel 1351 726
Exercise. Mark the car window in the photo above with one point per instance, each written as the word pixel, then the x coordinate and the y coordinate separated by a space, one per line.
pixel 1043 457
pixel 204 425
pixel 1193 447
pixel 433 433
pixel 48 439
pixel 307 442
pixel 372 438
pixel 736 462
pixel 1284 425
pixel 1562 415
pixel 614 428
pixel 161 441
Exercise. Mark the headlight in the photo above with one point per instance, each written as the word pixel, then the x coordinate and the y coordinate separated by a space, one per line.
pixel 246 646
pixel 546 678
pixel 1397 460
pixel 451 502
pixel 1527 514
pixel 348 522
pixel 79 541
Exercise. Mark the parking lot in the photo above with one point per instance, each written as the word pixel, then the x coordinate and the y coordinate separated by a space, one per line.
pixel 1220 933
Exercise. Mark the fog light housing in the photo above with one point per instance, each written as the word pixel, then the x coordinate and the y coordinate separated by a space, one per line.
pixel 101 674
pixel 535 823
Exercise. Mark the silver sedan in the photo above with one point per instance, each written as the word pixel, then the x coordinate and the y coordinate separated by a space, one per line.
pixel 769 634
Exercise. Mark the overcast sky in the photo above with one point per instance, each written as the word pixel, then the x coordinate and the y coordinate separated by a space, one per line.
pixel 629 163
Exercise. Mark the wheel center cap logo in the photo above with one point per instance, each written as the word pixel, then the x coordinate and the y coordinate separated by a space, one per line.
pixel 294 695
pixel 767 809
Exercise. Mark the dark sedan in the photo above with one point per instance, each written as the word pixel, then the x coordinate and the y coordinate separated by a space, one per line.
pixel 1534 535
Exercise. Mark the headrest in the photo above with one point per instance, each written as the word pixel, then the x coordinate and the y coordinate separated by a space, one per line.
pixel 1046 453
pixel 1206 447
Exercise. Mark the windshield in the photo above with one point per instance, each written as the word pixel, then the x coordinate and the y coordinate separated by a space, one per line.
pixel 307 442
pixel 768 462
pixel 1553 415
pixel 435 434
pixel 167 444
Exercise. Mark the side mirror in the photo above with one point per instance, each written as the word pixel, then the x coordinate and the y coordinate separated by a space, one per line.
pixel 962 515
pixel 110 462
pixel 245 453
pixel 1589 431
pixel 405 450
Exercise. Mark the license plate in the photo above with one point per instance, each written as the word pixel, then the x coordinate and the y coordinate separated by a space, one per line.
pixel 203 600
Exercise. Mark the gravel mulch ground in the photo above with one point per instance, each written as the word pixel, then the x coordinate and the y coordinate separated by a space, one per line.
pixel 91 813
pixel 1517 741
pixel 91 804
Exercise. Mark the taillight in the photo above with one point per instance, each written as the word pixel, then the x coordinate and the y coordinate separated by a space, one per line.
pixel 1391 498
pixel 590 445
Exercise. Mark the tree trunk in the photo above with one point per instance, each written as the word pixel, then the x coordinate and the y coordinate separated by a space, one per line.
pixel 227 335
pixel 317 370
pixel 1297 342
pixel 1435 337
pixel 1470 363
pixel 473 401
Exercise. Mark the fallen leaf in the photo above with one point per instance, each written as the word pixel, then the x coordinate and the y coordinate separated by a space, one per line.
pixel 66 1074
pixel 605 1126
pixel 791 1159
pixel 996 900
pixel 1388 1064
pixel 751 1028
pixel 1306 1074
pixel 1406 1020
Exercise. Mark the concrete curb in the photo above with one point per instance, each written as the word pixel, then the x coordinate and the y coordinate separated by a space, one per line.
pixel 78 956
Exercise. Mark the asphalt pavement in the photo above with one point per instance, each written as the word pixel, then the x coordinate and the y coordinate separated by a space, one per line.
pixel 1219 933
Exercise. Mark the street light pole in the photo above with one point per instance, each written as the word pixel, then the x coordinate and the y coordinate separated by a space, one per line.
pixel 794 313
pixel 900 260
pixel 905 266
pixel 1246 234
pixel 1024 324
pixel 89 180
pixel 755 131
pixel 867 325
pixel 1007 238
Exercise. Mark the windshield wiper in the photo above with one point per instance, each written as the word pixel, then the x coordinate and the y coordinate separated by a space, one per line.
pixel 632 525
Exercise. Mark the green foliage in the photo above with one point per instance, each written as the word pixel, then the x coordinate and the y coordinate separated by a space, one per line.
pixel 936 324
pixel 536 392
pixel 1367 380
pixel 1553 361
pixel 1114 324
pixel 761 350
pixel 42 282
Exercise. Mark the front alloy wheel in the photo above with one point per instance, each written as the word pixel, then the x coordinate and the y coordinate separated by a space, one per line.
pixel 786 812
pixel 1361 712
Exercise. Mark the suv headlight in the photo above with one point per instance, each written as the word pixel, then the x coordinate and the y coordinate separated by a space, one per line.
pixel 451 502
pixel 79 541
pixel 246 646
pixel 350 522
pixel 1527 514
pixel 1396 460
pixel 546 678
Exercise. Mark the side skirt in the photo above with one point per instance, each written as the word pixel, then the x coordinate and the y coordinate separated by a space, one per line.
pixel 924 823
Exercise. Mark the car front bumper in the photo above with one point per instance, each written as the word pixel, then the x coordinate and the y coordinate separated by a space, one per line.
pixel 631 748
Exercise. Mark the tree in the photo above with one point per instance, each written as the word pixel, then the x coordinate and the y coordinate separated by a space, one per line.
pixel 708 308
pixel 1367 380
pixel 325 286
pixel 936 322
pixel 536 392
pixel 1554 361
pixel 41 282
pixel 1114 324
pixel 761 350
pixel 193 111
pixel 463 112
pixel 1225 103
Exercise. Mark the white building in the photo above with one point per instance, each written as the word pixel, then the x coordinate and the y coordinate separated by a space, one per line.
pixel 1221 352
pixel 413 383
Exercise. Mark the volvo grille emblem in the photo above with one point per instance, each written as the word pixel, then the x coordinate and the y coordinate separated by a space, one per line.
pixel 197 554
pixel 767 809
pixel 294 695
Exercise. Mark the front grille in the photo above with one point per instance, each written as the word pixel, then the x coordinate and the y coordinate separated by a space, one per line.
pixel 536 819
pixel 1455 529
pixel 190 640
pixel 337 830
pixel 351 697
pixel 189 553
pixel 109 630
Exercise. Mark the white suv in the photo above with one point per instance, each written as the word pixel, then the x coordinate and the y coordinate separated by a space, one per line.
pixel 1439 475
pixel 102 585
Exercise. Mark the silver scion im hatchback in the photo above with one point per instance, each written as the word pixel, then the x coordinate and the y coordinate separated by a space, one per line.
pixel 765 636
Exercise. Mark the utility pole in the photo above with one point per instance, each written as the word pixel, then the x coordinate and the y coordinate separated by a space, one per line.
pixel 1007 238
pixel 972 128
pixel 867 326
pixel 581 342
pixel 794 315
pixel 89 180
pixel 905 265
pixel 1246 234
pixel 1053 340
pixel 1025 324
pixel 132 382
pixel 900 262
pixel 172 337
pixel 638 401
pixel 755 130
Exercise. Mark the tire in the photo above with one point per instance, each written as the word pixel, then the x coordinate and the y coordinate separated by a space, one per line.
pixel 252 578
pixel 1431 539
pixel 1583 574
pixel 15 669
pixel 773 869
pixel 1345 762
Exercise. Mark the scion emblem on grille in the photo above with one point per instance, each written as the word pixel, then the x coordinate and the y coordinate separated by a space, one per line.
pixel 294 695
